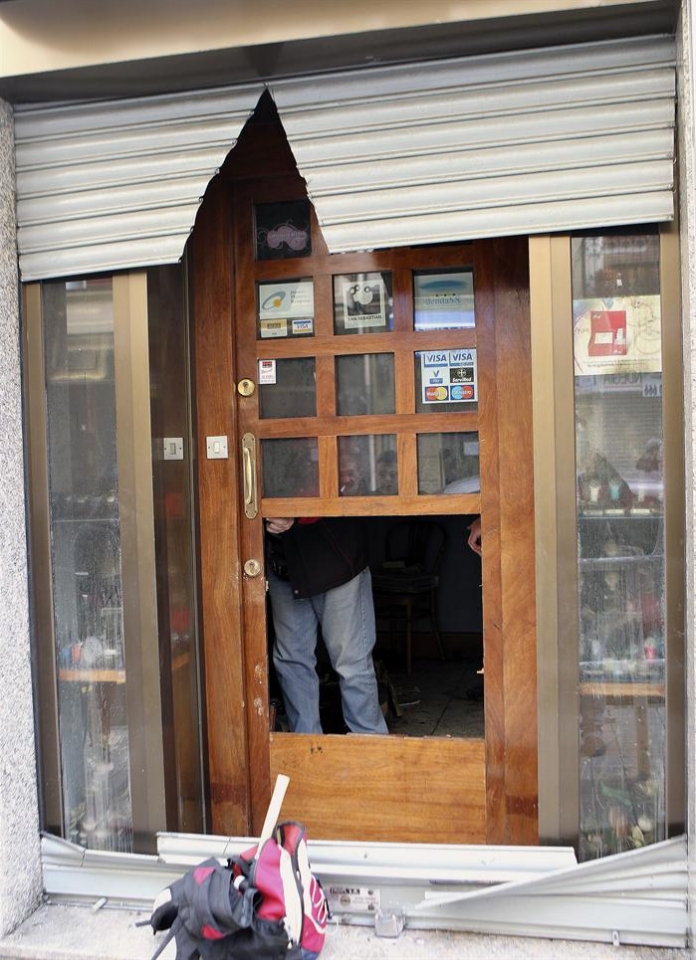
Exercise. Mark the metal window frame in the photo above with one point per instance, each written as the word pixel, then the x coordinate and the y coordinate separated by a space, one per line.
pixel 639 897
pixel 137 546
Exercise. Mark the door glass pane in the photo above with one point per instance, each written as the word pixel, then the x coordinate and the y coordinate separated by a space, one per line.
pixel 367 466
pixel 287 388
pixel 443 299
pixel 86 561
pixel 621 568
pixel 363 303
pixel 285 309
pixel 446 380
pixel 448 463
pixel 365 384
pixel 290 467
pixel 282 230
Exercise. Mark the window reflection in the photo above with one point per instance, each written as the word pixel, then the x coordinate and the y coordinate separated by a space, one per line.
pixel 443 299
pixel 367 466
pixel 448 463
pixel 365 384
pixel 289 389
pixel 86 554
pixel 622 643
pixel 290 467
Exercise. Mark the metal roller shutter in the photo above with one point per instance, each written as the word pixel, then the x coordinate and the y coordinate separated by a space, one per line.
pixel 111 185
pixel 525 142
pixel 531 142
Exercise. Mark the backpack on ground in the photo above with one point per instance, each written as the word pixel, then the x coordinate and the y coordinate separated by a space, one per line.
pixel 262 905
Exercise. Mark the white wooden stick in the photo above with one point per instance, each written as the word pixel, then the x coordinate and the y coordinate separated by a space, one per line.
pixel 274 807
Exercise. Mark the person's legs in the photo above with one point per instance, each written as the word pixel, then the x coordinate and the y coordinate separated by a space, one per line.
pixel 295 624
pixel 347 617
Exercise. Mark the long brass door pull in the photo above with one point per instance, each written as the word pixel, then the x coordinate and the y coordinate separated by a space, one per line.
pixel 251 503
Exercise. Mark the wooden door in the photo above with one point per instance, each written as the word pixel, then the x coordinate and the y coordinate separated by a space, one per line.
pixel 355 787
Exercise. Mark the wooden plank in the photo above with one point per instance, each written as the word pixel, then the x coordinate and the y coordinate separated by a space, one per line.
pixel 514 371
pixel 253 588
pixel 365 425
pixel 219 548
pixel 398 789
pixel 494 701
pixel 508 542
pixel 419 506
pixel 383 342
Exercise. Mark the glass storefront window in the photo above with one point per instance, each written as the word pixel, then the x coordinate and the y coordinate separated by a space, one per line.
pixel 621 567
pixel 86 563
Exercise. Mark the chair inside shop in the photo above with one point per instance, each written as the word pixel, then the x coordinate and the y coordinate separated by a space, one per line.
pixel 405 585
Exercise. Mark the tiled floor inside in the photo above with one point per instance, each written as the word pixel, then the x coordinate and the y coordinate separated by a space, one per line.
pixel 439 699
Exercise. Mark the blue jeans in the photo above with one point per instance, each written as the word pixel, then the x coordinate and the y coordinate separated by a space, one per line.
pixel 347 618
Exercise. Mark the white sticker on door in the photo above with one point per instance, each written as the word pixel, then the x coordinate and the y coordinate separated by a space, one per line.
pixel 267 371
pixel 449 376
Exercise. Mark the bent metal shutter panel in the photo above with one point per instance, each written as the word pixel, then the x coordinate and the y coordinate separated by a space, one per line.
pixel 522 142
pixel 112 185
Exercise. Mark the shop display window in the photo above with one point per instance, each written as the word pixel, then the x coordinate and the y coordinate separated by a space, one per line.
pixel 622 644
pixel 86 560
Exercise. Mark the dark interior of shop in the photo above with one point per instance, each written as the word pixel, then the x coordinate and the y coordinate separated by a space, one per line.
pixel 440 692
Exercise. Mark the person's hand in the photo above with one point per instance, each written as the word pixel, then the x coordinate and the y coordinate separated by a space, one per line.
pixel 474 540
pixel 279 524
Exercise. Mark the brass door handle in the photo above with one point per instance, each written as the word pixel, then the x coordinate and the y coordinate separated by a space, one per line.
pixel 251 503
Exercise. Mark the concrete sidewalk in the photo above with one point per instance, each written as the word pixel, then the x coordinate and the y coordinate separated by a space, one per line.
pixel 63 932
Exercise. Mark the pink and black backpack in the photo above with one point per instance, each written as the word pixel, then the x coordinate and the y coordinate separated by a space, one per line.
pixel 263 905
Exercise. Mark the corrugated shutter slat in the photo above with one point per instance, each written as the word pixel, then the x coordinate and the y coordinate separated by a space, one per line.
pixel 539 141
pixel 559 138
pixel 105 186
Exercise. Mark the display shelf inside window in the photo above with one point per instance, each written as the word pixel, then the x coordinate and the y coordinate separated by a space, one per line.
pixel 621 684
pixel 622 789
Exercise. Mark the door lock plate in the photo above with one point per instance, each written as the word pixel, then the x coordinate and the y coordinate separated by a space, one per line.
pixel 252 568
pixel 245 387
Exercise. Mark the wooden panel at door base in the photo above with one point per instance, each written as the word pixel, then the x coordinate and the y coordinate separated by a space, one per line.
pixel 398 789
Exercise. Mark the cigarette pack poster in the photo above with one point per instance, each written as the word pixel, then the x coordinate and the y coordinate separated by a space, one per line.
pixel 617 335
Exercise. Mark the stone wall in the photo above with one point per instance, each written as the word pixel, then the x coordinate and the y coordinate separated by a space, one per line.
pixel 20 865
pixel 687 214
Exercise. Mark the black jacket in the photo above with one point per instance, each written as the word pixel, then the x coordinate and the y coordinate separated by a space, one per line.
pixel 317 555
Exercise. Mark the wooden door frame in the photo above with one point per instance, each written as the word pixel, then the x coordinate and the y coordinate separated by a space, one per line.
pixel 239 766
pixel 507 509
